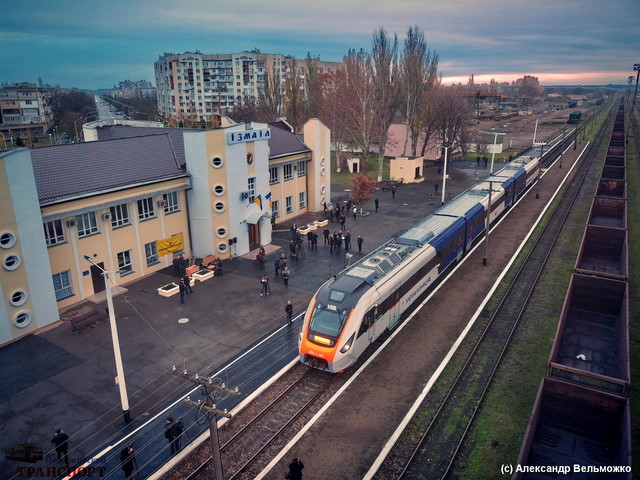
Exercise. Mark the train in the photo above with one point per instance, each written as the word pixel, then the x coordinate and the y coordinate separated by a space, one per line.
pixel 352 309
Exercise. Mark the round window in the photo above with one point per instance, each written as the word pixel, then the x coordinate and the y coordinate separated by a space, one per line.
pixel 22 319
pixel 218 190
pixel 323 171
pixel 223 247
pixel 323 189
pixel 217 162
pixel 7 240
pixel 323 201
pixel 219 207
pixel 323 161
pixel 11 262
pixel 18 298
pixel 221 232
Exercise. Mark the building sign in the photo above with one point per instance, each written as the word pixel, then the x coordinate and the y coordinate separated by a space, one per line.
pixel 174 243
pixel 248 136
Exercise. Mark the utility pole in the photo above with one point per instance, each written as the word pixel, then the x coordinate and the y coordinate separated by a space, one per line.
pixel 210 407
pixel 562 148
pixel 444 173
pixel 486 230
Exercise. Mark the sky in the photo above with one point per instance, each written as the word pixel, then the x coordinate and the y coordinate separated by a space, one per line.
pixel 90 44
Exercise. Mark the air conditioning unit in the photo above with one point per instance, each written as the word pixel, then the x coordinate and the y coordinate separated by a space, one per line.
pixel 162 203
pixel 244 195
pixel 106 216
pixel 71 223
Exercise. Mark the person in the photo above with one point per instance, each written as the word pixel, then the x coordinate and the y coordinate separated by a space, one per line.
pixel 183 289
pixel 332 243
pixel 285 276
pixel 260 259
pixel 219 267
pixel 289 311
pixel 355 212
pixel 435 186
pixel 343 222
pixel 127 462
pixel 393 192
pixel 431 199
pixel 176 265
pixel 326 233
pixel 187 283
pixel 360 242
pixel 293 250
pixel 347 241
pixel 337 241
pixel 173 433
pixel 264 281
pixel 183 264
pixel 276 265
pixel 262 250
pixel 61 442
pixel 377 204
pixel 293 231
pixel 295 470
pixel 273 222
pixel 314 240
pixel 283 261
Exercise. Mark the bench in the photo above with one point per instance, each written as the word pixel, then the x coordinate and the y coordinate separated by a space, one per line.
pixel 207 260
pixel 80 320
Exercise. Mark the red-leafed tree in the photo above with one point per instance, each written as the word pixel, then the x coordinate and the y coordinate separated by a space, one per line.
pixel 363 186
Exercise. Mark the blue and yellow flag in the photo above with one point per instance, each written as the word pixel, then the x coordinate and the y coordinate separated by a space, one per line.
pixel 258 200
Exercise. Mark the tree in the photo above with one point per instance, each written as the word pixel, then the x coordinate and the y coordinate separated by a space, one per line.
pixel 68 106
pixel 528 87
pixel 452 117
pixel 271 98
pixel 312 85
pixel 363 186
pixel 386 82
pixel 419 76
pixel 332 111
pixel 293 95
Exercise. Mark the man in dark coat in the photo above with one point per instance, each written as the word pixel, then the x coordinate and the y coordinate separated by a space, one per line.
pixel 295 470
pixel 173 433
pixel 360 242
pixel 183 290
pixel 326 233
pixel 61 442
pixel 289 311
pixel 127 462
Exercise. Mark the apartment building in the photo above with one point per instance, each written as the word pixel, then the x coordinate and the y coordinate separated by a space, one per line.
pixel 130 198
pixel 197 86
pixel 25 109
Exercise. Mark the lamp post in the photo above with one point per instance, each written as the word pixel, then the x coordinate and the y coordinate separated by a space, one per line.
pixel 562 147
pixel 124 400
pixel 493 153
pixel 75 124
pixel 444 173
pixel 636 68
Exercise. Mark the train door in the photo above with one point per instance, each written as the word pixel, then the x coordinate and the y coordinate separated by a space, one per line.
pixel 395 310
pixel 370 321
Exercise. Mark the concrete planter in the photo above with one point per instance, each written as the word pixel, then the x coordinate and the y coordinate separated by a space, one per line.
pixel 202 275
pixel 168 290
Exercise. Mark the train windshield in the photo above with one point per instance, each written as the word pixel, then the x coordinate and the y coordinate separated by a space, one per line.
pixel 328 320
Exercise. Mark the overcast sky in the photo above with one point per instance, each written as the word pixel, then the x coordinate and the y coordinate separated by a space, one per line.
pixel 92 44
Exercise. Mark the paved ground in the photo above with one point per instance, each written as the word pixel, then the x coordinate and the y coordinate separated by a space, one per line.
pixel 60 379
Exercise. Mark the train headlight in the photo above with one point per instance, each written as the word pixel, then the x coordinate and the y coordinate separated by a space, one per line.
pixel 347 346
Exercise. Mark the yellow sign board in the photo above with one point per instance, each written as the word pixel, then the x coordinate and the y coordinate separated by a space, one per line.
pixel 174 243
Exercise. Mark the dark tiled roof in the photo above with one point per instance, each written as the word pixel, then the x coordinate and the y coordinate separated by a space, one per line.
pixel 65 171
pixel 283 141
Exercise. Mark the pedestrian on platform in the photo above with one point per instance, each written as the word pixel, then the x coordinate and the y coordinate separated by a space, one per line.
pixel 289 311
pixel 326 233
pixel 355 212
pixel 295 470
pixel 343 222
pixel 276 265
pixel 393 192
pixel 360 242
pixel 431 199
pixel 176 265
pixel 173 434
pixel 377 204
pixel 260 259
pixel 219 267
pixel 347 241
pixel 293 252
pixel 187 283
pixel 293 231
pixel 332 243
pixel 183 289
pixel 285 276
pixel 283 261
pixel 264 281
pixel 435 186
pixel 60 441
pixel 128 462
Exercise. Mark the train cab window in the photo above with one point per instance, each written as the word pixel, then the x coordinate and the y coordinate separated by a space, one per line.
pixel 328 320
pixel 337 296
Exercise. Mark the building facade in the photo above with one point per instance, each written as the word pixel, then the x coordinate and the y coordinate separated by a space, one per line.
pixel 135 197
pixel 25 109
pixel 196 86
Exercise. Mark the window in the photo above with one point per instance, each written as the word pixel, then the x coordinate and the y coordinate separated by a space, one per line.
pixel 87 224
pixel 275 208
pixel 273 175
pixel 251 186
pixel 302 197
pixel 151 252
pixel 53 232
pixel 145 208
pixel 287 172
pixel 171 202
pixel 119 215
pixel 289 204
pixel 302 168
pixel 124 262
pixel 62 285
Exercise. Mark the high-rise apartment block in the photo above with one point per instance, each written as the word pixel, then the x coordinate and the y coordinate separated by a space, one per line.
pixel 25 109
pixel 197 86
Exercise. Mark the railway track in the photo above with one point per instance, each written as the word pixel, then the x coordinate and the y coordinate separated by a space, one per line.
pixel 253 437
pixel 441 438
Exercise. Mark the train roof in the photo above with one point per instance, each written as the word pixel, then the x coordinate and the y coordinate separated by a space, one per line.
pixel 425 230
pixel 461 206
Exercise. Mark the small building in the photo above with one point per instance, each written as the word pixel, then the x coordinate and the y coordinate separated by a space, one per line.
pixel 407 169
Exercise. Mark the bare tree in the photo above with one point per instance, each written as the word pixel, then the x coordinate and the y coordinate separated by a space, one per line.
pixel 386 80
pixel 272 97
pixel 332 110
pixel 419 75
pixel 312 83
pixel 293 94
pixel 453 118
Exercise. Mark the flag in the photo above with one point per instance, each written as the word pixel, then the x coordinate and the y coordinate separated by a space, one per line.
pixel 258 200
pixel 267 197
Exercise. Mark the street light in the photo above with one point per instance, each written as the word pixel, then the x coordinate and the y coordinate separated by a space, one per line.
pixel 444 173
pixel 124 400
pixel 636 68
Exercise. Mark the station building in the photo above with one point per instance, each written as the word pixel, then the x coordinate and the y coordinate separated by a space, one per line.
pixel 134 197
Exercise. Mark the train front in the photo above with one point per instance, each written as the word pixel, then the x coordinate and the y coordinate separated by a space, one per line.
pixel 326 339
